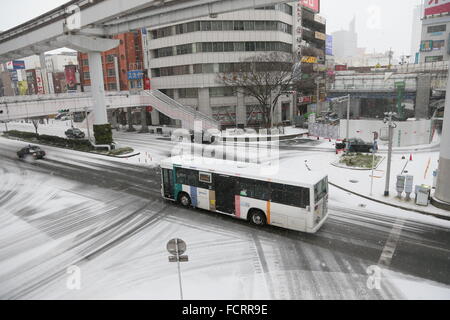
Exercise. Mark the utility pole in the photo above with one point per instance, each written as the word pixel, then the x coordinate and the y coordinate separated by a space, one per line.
pixel 392 126
pixel 87 123
pixel 348 119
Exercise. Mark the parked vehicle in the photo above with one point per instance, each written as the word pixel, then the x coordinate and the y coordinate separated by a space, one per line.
pixel 31 151
pixel 75 133
pixel 60 116
pixel 356 145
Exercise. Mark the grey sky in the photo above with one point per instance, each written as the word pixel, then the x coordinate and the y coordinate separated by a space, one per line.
pixel 390 28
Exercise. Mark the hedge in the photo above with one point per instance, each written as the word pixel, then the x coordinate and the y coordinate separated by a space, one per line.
pixel 103 134
pixel 22 134
pixel 82 145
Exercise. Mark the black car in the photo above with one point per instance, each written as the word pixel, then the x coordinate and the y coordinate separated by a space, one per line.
pixel 75 134
pixel 356 145
pixel 31 151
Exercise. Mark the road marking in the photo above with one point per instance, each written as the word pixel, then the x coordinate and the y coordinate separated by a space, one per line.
pixel 391 243
pixel 426 170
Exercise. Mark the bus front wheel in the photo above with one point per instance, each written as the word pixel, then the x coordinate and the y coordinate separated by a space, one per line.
pixel 185 200
pixel 258 218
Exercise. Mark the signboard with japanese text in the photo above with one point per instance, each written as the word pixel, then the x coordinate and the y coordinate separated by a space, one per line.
pixel 313 5
pixel 39 82
pixel 329 46
pixel 320 36
pixel 71 78
pixel 307 59
pixel 436 7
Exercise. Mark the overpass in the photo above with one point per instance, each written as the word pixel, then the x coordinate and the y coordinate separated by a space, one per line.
pixel 88 25
pixel 25 107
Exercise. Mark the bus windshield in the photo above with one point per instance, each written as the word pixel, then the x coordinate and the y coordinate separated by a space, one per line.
pixel 321 190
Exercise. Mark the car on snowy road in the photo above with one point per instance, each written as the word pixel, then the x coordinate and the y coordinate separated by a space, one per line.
pixel 31 152
pixel 75 134
pixel 356 145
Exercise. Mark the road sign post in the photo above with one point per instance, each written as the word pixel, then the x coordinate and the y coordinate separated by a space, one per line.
pixel 177 247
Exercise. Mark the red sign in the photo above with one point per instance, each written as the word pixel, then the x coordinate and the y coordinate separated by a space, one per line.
pixel 71 78
pixel 341 67
pixel 149 109
pixel 436 7
pixel 314 5
pixel 147 84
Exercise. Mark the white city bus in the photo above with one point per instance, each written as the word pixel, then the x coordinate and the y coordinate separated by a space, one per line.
pixel 291 199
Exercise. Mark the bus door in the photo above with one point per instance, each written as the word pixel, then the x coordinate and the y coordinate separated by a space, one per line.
pixel 168 183
pixel 225 194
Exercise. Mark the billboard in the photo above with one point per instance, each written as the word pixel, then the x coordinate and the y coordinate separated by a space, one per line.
pixel 436 7
pixel 313 5
pixel 71 77
pixel 39 82
pixel 329 46
pixel 15 65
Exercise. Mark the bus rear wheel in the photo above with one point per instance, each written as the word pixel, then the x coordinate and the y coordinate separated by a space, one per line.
pixel 258 218
pixel 185 200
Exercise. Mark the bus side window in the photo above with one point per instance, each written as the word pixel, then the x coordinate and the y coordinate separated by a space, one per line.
pixel 181 177
pixel 262 190
pixel 245 188
pixel 277 193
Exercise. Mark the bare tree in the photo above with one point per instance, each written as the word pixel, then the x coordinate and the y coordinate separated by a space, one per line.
pixel 265 77
pixel 35 124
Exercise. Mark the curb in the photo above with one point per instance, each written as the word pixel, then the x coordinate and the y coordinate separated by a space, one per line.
pixel 125 156
pixel 392 205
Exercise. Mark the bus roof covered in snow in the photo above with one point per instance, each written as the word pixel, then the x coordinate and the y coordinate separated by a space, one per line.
pixel 276 172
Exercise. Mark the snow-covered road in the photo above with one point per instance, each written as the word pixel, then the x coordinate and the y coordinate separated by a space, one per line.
pixel 106 217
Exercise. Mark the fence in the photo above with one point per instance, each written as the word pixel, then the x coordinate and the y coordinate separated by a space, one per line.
pixel 324 130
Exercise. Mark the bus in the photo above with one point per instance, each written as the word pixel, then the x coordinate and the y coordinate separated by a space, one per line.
pixel 291 199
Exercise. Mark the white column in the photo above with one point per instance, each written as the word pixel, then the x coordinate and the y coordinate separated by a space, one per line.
pixel 443 182
pixel 98 88
pixel 44 73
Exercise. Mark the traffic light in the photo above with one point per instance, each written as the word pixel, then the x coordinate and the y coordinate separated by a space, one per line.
pixel 64 111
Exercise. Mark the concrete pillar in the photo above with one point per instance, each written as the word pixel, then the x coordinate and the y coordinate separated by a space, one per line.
pixel 98 88
pixel 44 73
pixel 442 196
pixel 144 120
pixel 130 121
pixel 423 96
pixel 204 103
pixel 241 112
pixel 155 117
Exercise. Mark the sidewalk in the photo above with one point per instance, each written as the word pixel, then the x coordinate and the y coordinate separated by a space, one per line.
pixel 358 182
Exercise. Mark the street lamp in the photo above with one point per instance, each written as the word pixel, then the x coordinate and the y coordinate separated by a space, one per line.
pixel 392 126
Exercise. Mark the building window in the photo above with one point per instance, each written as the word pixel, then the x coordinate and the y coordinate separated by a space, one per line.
pixel 440 28
pixel 184 49
pixel 86 75
pixel 205 25
pixel 111 73
pixel 221 26
pixel 228 25
pixel 216 26
pixel 218 47
pixel 112 86
pixel 86 62
pixel 239 25
pixel 225 115
pixel 222 92
pixel 110 58
pixel 434 59
pixel 156 73
pixel 189 93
